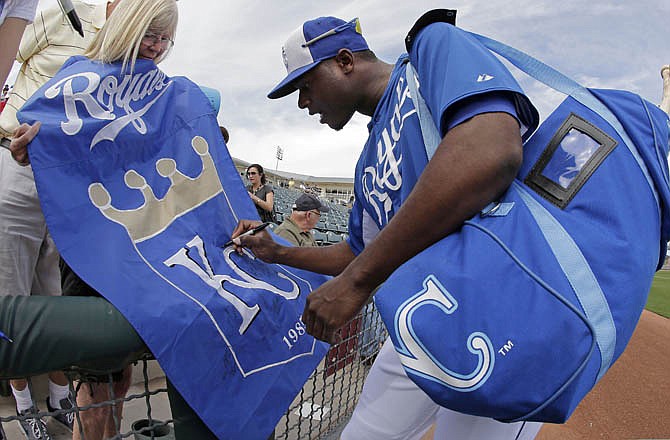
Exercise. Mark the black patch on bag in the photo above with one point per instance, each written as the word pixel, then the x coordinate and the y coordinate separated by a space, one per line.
pixel 560 173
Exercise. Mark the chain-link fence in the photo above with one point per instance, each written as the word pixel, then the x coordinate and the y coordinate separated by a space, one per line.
pixel 319 411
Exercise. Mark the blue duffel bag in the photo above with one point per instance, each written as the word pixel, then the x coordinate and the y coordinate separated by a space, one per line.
pixel 518 315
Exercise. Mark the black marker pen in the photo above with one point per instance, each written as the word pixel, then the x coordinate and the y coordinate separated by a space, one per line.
pixel 253 231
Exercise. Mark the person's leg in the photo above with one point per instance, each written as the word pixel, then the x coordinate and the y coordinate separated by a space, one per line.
pixel 22 227
pixel 98 423
pixel 22 246
pixel 58 379
pixel 453 425
pixel 24 243
pixel 60 398
pixel 46 279
pixel 93 420
pixel 33 428
pixel 120 390
pixel 21 394
pixel 390 406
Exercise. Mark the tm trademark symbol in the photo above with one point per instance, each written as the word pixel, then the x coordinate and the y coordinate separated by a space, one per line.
pixel 506 348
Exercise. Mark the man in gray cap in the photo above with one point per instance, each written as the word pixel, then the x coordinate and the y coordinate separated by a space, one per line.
pixel 298 227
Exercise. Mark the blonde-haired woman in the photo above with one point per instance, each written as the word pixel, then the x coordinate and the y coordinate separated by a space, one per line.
pixel 143 29
pixel 137 29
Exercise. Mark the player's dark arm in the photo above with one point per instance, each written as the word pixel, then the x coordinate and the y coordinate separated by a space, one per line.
pixel 474 164
pixel 328 260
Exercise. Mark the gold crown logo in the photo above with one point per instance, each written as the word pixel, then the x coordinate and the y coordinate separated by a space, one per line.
pixel 155 215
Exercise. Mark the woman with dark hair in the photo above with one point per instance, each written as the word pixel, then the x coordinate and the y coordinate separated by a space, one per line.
pixel 261 192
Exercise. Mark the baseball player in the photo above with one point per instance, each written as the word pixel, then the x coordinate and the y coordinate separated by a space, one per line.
pixel 403 202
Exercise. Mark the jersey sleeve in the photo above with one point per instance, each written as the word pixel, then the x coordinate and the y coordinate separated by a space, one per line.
pixel 491 102
pixel 453 66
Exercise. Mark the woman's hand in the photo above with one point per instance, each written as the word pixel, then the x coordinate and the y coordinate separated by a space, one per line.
pixel 254 198
pixel 23 135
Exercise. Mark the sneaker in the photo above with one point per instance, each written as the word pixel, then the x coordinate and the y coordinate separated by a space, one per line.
pixel 32 427
pixel 65 419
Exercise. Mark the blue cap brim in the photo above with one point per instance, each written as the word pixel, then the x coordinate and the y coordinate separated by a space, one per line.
pixel 286 87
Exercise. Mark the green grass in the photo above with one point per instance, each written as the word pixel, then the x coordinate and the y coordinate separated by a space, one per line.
pixel 659 296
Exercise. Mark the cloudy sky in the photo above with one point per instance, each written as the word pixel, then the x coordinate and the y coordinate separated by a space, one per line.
pixel 235 47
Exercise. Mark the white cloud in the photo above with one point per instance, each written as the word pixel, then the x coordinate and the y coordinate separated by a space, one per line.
pixel 234 46
pixel 602 43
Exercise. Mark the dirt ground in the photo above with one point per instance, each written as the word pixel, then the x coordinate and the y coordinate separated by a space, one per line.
pixel 632 401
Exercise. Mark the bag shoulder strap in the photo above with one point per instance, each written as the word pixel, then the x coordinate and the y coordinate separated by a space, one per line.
pixel 431 136
pixel 541 72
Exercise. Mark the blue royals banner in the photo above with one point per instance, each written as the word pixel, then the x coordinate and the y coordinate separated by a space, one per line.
pixel 140 194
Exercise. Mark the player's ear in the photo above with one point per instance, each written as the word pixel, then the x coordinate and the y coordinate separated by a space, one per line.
pixel 345 60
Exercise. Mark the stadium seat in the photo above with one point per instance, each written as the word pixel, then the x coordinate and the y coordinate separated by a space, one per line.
pixel 341 227
pixel 319 237
pixel 333 237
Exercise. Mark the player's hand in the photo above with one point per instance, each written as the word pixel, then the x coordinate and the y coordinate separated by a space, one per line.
pixel 331 306
pixel 260 244
pixel 244 226
pixel 23 135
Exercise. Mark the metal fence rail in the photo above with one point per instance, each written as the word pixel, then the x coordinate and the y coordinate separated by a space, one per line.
pixel 320 410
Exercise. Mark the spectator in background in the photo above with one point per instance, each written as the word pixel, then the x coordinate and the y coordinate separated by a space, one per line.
pixel 224 133
pixel 28 256
pixel 261 192
pixel 298 227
